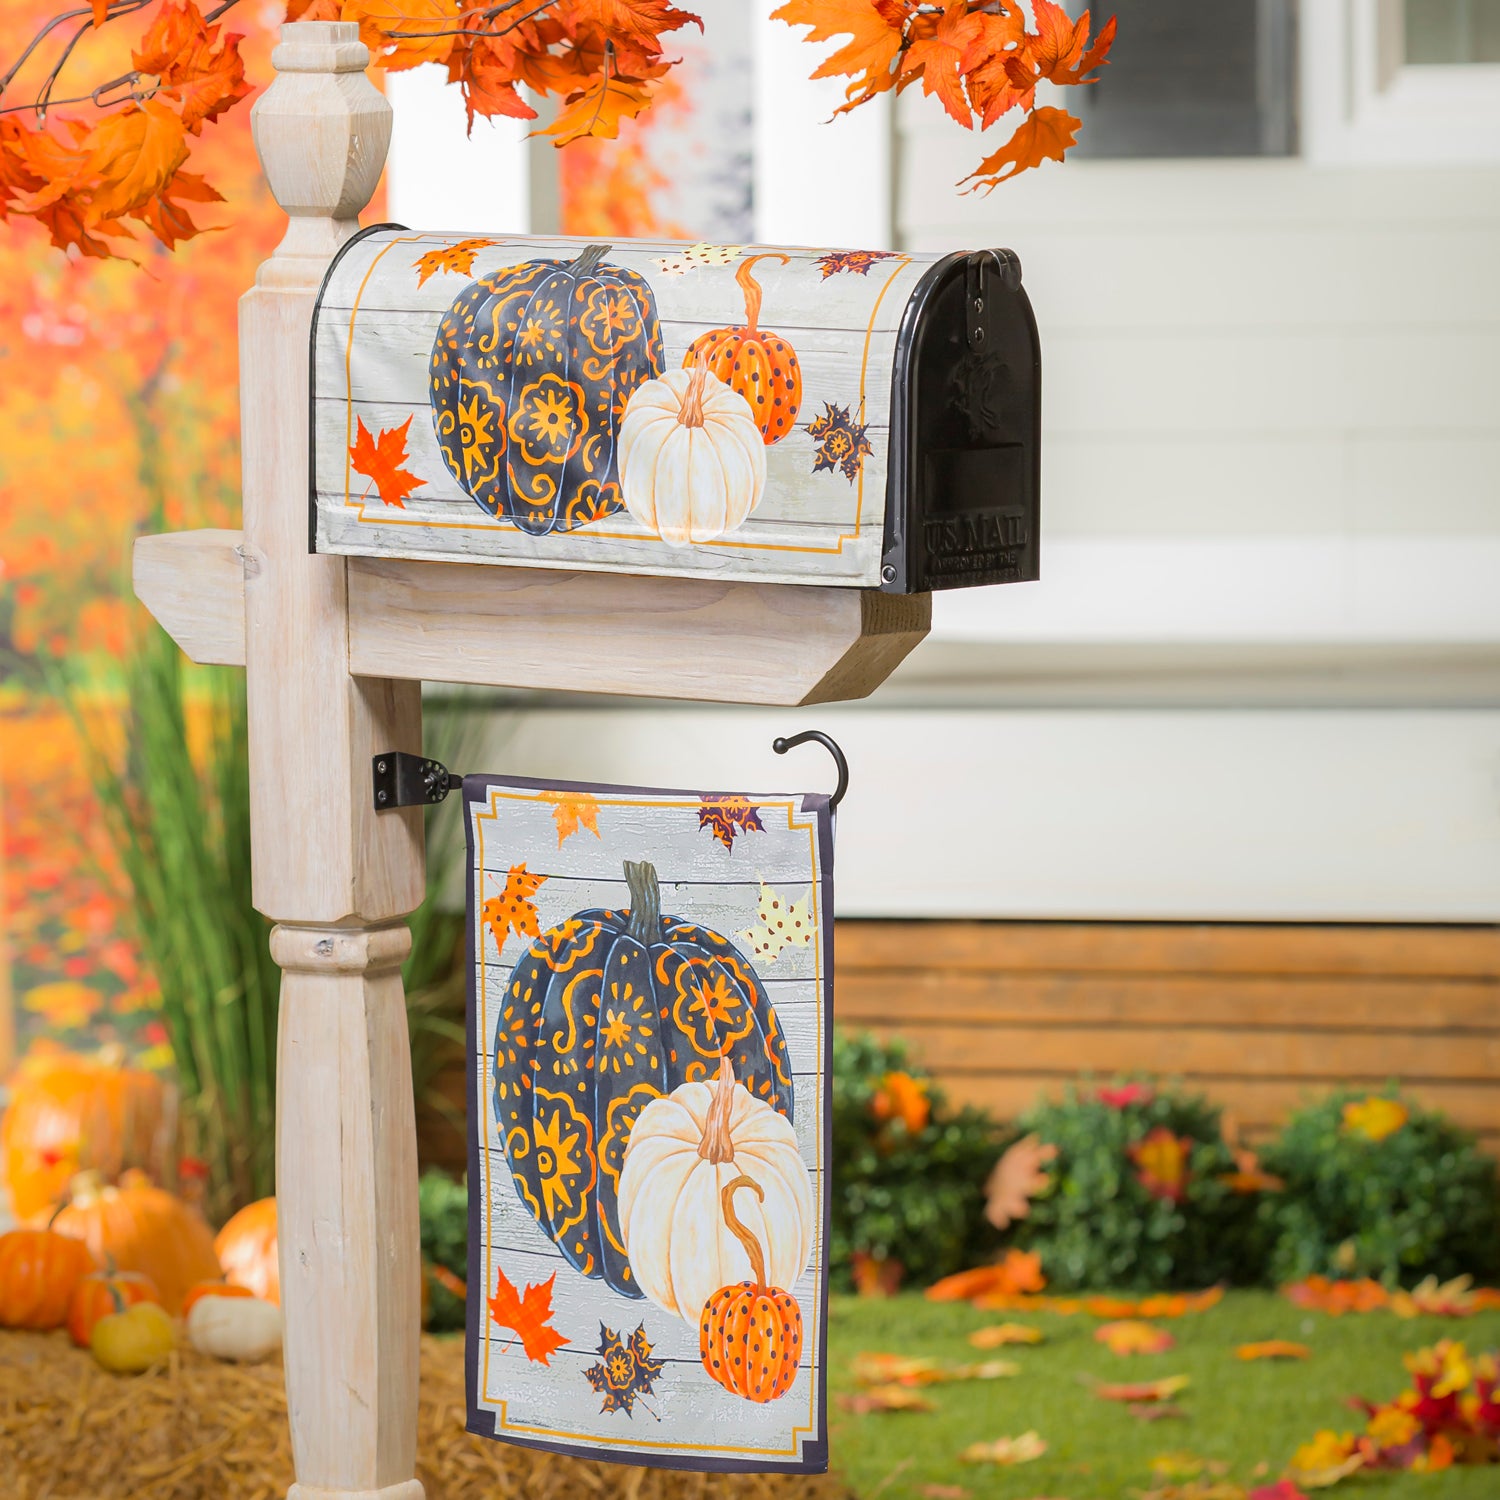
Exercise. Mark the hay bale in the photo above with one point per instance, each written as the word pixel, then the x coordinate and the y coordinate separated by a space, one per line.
pixel 195 1429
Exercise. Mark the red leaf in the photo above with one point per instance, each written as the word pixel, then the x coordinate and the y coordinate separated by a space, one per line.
pixel 529 1315
pixel 380 458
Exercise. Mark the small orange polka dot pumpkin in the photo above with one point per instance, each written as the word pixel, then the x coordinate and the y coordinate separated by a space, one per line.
pixel 762 367
pixel 750 1334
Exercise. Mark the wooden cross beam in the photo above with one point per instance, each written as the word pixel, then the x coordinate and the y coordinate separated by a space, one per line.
pixel 335 651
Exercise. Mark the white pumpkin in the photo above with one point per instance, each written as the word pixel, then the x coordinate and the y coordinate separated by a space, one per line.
pixel 684 1150
pixel 245 1329
pixel 692 460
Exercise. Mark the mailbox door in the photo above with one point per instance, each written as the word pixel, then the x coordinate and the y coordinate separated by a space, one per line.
pixel 965 493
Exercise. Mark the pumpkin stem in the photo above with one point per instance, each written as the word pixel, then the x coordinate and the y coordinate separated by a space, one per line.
pixel 717 1145
pixel 645 902
pixel 690 411
pixel 739 1229
pixel 751 287
pixel 589 260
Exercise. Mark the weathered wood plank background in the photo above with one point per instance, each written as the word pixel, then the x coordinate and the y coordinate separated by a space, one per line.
pixel 1259 1017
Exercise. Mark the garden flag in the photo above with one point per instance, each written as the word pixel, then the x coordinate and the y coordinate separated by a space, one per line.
pixel 649 1037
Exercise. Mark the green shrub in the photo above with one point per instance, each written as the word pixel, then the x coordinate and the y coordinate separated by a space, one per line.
pixel 1105 1221
pixel 908 1171
pixel 443 1210
pixel 1377 1186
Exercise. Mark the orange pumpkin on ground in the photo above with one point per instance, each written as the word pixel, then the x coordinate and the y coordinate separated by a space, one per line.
pixel 762 367
pixel 750 1334
pixel 39 1272
pixel 212 1289
pixel 102 1293
pixel 246 1247
pixel 139 1227
pixel 70 1113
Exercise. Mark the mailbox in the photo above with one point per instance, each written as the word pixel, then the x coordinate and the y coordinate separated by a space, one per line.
pixel 856 418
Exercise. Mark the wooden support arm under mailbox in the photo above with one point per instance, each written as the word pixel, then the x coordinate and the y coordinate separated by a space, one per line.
pixel 541 628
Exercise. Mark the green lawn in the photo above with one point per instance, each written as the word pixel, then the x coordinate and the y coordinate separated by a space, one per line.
pixel 1242 1414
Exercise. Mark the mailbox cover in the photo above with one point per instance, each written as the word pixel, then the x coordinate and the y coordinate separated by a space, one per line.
pixel 849 417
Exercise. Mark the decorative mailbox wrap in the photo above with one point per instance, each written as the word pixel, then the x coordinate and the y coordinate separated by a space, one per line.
pixel 849 417
pixel 649 1038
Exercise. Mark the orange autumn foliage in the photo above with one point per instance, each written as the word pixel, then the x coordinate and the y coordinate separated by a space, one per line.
pixel 91 182
pixel 379 459
pixel 529 1315
pixel 1017 1274
pixel 975 57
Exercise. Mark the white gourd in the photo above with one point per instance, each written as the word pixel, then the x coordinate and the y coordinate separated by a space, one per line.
pixel 244 1329
pixel 692 460
pixel 683 1151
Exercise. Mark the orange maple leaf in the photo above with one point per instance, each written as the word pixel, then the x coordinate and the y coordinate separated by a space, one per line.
pixel 598 109
pixel 529 1315
pixel 405 33
pixel 876 37
pixel 1044 135
pixel 572 811
pixel 459 258
pixel 998 40
pixel 937 58
pixel 1133 1336
pixel 1019 1271
pixel 204 76
pixel 167 219
pixel 1273 1349
pixel 513 910
pixel 129 157
pixel 1058 50
pixel 380 458
pixel 642 20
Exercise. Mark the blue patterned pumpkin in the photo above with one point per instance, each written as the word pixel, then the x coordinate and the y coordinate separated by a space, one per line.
pixel 530 371
pixel 604 1013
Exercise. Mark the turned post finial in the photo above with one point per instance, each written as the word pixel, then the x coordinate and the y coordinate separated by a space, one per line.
pixel 321 130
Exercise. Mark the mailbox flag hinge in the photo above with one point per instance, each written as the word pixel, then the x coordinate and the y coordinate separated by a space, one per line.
pixel 402 779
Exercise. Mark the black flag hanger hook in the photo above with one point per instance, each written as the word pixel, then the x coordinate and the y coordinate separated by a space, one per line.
pixel 781 746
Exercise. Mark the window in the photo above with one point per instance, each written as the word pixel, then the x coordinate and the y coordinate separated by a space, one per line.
pixel 1401 81
pixel 1446 32
pixel 1188 78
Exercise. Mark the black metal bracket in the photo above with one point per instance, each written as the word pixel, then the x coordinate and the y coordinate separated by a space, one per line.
pixel 402 779
pixel 781 746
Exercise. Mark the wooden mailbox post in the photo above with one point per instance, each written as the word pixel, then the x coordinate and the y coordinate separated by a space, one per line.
pixel 335 650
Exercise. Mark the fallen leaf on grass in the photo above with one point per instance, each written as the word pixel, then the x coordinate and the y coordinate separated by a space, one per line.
pixel 1166 1411
pixel 1283 1489
pixel 886 1398
pixel 1435 1299
pixel 1322 1463
pixel 1181 1464
pixel 1006 1450
pixel 871 1368
pixel 1133 1337
pixel 1179 1304
pixel 1145 1390
pixel 1273 1349
pixel 1195 1489
pixel 997 1335
pixel 1018 1272
pixel 1320 1294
